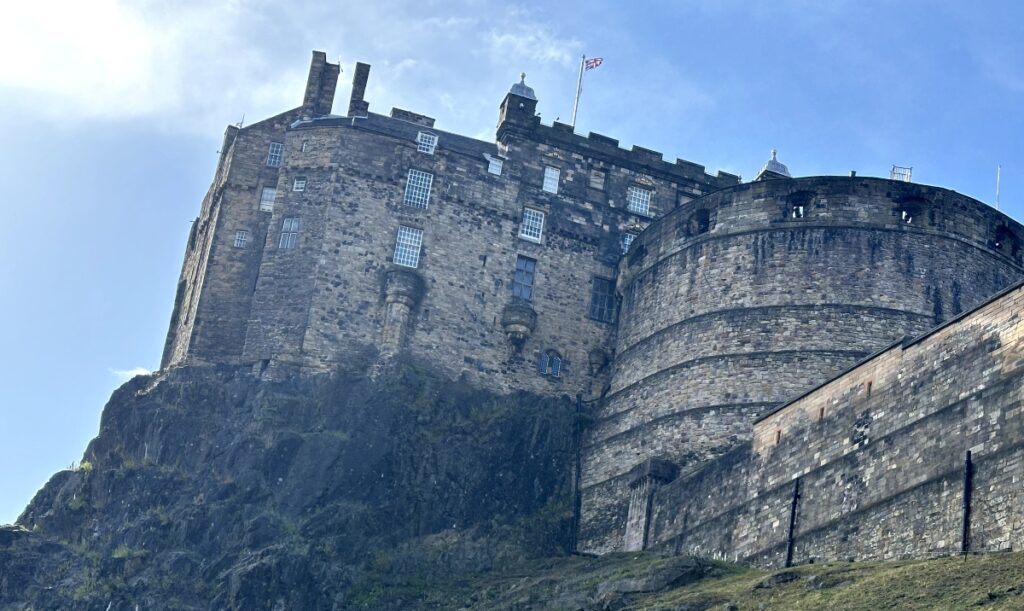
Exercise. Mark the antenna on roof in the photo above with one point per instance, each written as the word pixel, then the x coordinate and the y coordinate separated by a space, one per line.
pixel 241 123
pixel 999 171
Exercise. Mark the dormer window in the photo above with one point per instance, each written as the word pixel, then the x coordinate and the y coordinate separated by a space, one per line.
pixel 494 164
pixel 426 143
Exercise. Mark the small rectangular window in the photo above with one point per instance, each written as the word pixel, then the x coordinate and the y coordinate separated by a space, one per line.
pixel 426 143
pixel 522 281
pixel 417 189
pixel 241 237
pixel 627 241
pixel 274 154
pixel 289 233
pixel 532 227
pixel 494 165
pixel 267 197
pixel 597 179
pixel 602 300
pixel 638 200
pixel 407 246
pixel 299 184
pixel 305 146
pixel 551 179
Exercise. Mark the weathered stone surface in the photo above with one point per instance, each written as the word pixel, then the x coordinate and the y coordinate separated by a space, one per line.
pixel 209 488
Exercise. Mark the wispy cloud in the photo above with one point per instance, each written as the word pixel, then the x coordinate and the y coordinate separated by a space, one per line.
pixel 127 374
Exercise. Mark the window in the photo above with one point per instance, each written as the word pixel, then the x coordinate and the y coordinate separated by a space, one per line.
pixel 494 165
pixel 700 222
pixel 627 240
pixel 305 145
pixel 602 300
pixel 299 184
pixel 907 217
pixel 241 237
pixel 597 179
pixel 407 246
pixel 274 155
pixel 522 282
pixel 549 364
pixel 551 179
pixel 638 200
pixel 797 211
pixel 267 197
pixel 426 143
pixel 532 227
pixel 417 189
pixel 289 233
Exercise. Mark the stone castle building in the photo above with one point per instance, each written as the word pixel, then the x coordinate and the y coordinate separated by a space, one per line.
pixel 683 306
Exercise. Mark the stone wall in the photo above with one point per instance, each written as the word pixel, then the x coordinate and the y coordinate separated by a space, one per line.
pixel 324 301
pixel 735 303
pixel 880 455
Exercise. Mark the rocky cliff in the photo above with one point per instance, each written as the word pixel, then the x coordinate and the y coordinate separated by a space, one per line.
pixel 210 488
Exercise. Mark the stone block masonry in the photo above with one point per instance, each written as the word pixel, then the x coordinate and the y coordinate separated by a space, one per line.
pixel 327 240
pixel 880 455
pixel 751 295
pixel 314 284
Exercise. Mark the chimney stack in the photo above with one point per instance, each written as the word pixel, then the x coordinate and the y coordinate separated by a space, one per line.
pixel 320 86
pixel 357 106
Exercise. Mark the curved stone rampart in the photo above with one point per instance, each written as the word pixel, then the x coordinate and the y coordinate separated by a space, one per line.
pixel 749 296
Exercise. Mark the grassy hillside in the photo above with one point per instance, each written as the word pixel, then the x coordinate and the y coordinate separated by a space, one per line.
pixel 651 582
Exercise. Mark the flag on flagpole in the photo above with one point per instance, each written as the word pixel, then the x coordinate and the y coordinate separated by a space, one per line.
pixel 593 62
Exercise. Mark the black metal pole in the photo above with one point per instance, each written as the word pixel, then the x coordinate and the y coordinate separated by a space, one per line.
pixel 965 522
pixel 792 522
pixel 577 499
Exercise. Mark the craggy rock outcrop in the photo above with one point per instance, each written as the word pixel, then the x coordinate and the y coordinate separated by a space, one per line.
pixel 209 488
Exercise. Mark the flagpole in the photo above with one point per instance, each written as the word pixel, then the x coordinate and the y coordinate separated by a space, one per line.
pixel 579 88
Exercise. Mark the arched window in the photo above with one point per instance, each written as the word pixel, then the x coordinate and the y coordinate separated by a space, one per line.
pixel 549 363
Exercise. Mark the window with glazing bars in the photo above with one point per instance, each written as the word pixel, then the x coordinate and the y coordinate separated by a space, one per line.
pixel 551 179
pixel 602 300
pixel 494 165
pixel 299 184
pixel 638 200
pixel 407 246
pixel 241 237
pixel 274 154
pixel 426 143
pixel 267 197
pixel 522 282
pixel 532 226
pixel 289 233
pixel 627 241
pixel 417 189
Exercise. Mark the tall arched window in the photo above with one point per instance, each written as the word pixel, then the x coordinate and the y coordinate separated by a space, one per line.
pixel 549 363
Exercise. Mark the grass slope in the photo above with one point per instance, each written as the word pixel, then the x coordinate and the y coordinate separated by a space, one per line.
pixel 650 582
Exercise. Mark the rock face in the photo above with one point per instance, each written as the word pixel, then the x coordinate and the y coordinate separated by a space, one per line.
pixel 209 488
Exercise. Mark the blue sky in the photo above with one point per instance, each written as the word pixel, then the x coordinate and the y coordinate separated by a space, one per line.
pixel 111 114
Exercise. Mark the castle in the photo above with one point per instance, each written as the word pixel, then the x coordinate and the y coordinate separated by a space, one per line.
pixel 686 308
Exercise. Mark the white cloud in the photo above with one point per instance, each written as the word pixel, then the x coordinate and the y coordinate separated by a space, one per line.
pixel 127 374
